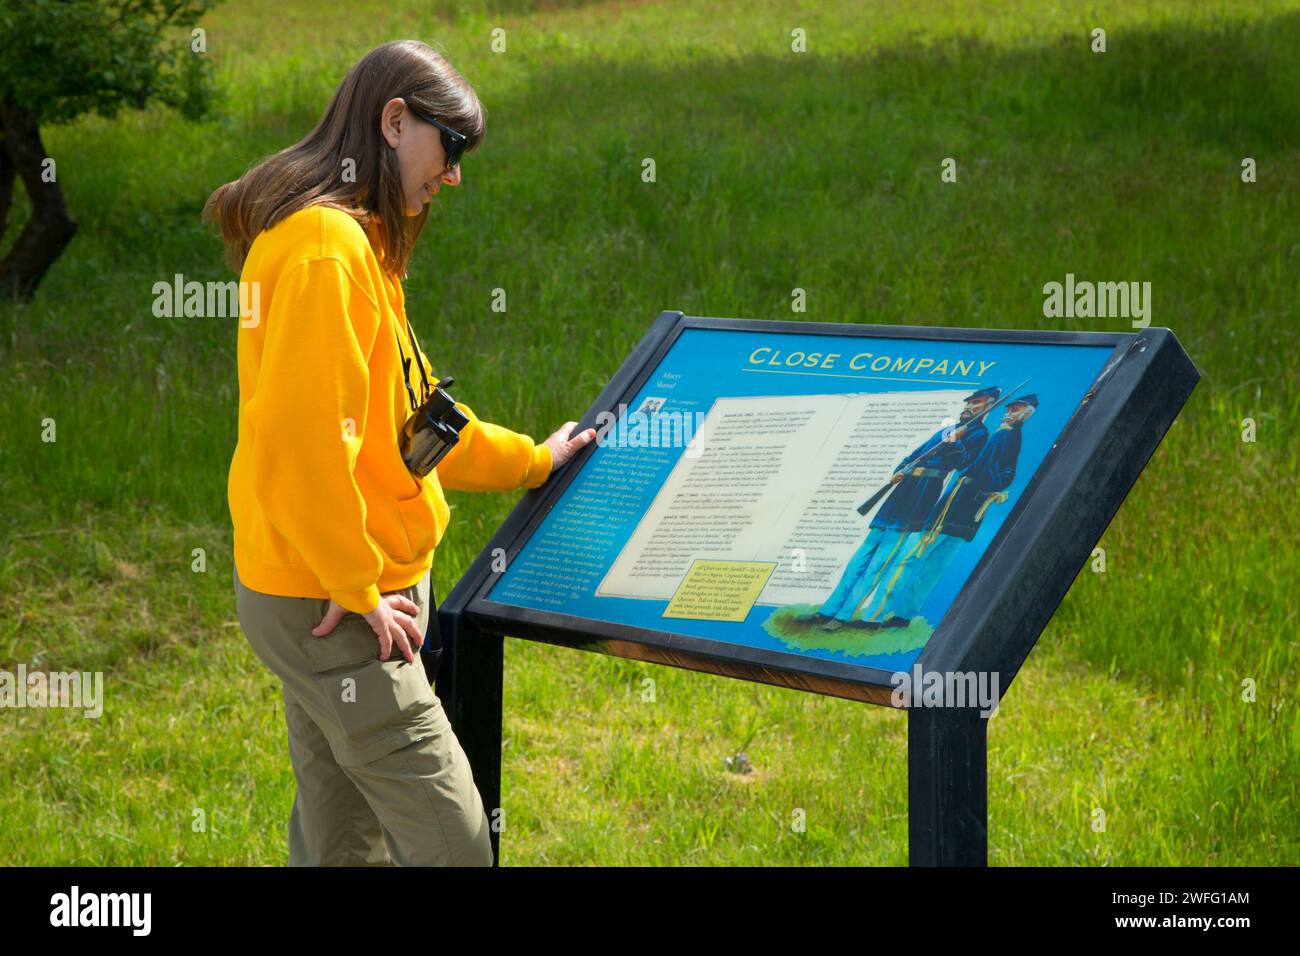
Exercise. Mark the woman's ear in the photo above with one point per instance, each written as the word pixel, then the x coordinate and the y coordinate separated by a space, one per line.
pixel 390 121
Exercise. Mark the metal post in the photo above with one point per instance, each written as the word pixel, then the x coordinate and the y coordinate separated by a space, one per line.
pixel 947 787
pixel 469 685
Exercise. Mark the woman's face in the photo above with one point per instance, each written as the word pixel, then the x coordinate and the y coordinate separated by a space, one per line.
pixel 419 155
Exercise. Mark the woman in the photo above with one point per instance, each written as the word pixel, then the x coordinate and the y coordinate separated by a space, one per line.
pixel 334 536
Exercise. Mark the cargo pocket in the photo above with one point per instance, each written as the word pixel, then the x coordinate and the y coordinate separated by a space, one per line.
pixel 378 706
pixel 431 652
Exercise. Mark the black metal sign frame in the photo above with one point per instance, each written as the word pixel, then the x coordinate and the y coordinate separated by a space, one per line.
pixel 990 627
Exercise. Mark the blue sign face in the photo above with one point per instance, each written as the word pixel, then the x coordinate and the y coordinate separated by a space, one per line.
pixel 826 496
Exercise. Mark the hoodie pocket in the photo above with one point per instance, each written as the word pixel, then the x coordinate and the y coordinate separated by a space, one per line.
pixel 422 521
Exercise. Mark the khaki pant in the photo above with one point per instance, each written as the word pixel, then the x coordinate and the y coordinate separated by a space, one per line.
pixel 381 776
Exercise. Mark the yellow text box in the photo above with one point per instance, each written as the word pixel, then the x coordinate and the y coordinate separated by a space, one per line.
pixel 719 590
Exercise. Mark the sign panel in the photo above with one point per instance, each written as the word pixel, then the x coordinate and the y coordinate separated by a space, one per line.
pixel 809 504
pixel 722 501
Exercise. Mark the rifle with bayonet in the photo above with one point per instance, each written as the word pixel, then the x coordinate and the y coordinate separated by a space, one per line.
pixel 911 462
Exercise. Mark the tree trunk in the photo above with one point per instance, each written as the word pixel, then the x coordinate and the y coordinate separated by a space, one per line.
pixel 50 228
pixel 7 177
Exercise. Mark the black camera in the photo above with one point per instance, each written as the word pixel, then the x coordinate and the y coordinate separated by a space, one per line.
pixel 430 433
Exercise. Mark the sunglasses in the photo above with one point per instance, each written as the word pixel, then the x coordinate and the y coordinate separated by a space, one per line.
pixel 453 143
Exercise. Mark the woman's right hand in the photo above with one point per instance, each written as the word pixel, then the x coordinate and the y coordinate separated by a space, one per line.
pixel 563 447
pixel 393 622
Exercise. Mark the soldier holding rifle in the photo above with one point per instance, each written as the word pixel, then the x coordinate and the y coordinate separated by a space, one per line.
pixel 912 493
pixel 955 519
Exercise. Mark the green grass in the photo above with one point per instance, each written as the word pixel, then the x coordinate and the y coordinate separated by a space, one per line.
pixel 775 171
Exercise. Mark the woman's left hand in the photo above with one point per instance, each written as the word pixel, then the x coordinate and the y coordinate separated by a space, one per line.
pixel 393 622
pixel 563 447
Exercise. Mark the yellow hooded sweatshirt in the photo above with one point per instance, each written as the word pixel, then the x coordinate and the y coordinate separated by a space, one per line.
pixel 321 502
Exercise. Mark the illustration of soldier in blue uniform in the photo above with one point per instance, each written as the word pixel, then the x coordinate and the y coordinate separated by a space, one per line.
pixel 905 509
pixel 954 519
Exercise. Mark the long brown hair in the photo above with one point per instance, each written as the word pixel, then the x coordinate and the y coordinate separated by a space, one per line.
pixel 312 172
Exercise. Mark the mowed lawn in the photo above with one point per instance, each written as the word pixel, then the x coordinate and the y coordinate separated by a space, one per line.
pixel 1161 699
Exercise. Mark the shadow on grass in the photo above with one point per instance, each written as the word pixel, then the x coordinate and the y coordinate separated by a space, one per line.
pixel 735 135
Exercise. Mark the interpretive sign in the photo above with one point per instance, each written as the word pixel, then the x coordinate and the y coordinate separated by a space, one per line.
pixel 827 507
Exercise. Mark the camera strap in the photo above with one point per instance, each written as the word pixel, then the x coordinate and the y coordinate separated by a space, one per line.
pixel 418 358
